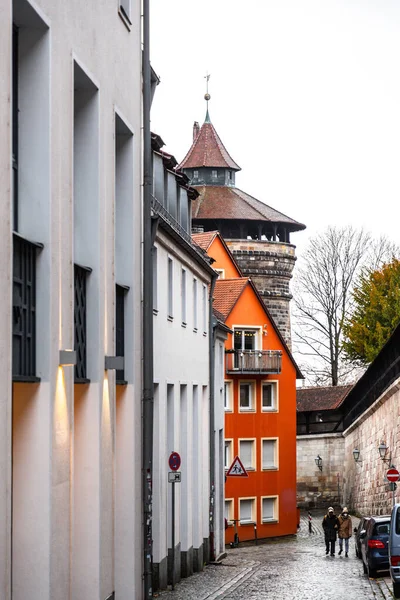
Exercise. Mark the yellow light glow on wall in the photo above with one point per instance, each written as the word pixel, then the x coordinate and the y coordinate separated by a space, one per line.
pixel 61 417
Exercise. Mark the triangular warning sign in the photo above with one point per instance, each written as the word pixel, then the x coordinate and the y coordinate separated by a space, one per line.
pixel 237 469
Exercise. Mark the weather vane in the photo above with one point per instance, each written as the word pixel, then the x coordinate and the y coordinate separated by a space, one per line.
pixel 207 95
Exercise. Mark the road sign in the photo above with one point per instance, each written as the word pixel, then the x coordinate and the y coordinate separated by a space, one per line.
pixel 237 469
pixel 174 461
pixel 392 475
pixel 174 477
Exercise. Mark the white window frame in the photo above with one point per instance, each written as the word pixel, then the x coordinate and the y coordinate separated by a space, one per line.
pixel 183 296
pixel 275 466
pixel 195 174
pixel 214 173
pixel 275 518
pixel 228 395
pixel 154 257
pixel 170 290
pixel 228 453
pixel 229 510
pixel 253 518
pixel 204 302
pixel 221 273
pixel 252 399
pixel 253 462
pixel 242 328
pixel 195 300
pixel 274 384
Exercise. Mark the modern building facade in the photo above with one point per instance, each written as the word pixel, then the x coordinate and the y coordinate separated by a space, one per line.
pixel 259 403
pixel 70 413
pixel 257 235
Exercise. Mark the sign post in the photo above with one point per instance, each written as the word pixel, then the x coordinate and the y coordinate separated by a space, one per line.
pixel 393 475
pixel 174 476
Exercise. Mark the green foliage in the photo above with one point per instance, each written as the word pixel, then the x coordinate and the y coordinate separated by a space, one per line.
pixel 375 315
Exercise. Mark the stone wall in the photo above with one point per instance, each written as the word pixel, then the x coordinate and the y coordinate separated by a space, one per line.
pixel 315 488
pixel 270 266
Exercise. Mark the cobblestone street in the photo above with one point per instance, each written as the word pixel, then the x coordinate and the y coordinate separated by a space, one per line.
pixel 286 569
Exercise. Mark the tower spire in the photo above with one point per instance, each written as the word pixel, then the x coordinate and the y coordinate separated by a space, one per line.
pixel 207 97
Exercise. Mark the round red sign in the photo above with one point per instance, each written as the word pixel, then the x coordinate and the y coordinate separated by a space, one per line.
pixel 392 475
pixel 174 461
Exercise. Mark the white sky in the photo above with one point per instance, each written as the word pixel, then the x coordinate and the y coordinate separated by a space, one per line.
pixel 305 95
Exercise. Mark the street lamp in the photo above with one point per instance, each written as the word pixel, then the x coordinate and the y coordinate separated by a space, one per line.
pixel 318 462
pixel 356 455
pixel 382 449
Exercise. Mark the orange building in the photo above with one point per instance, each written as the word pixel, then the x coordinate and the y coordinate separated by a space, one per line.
pixel 260 405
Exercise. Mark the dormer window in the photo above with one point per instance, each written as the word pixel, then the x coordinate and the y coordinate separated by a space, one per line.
pixel 195 174
pixel 214 174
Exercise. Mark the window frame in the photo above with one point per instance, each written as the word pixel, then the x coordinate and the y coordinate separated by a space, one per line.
pixel 275 519
pixel 253 442
pixel 195 305
pixel 204 308
pixel 124 11
pixel 170 288
pixel 253 501
pixel 228 443
pixel 228 407
pixel 253 396
pixel 230 513
pixel 276 453
pixel 274 384
pixel 243 328
pixel 184 297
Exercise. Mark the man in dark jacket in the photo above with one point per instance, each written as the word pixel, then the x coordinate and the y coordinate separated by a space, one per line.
pixel 330 525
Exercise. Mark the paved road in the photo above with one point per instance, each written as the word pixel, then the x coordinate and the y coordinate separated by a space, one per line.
pixel 293 568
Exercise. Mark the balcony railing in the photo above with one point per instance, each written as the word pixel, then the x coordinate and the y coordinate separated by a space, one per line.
pixel 254 361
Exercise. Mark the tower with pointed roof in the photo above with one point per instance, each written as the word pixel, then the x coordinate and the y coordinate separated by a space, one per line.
pixel 257 234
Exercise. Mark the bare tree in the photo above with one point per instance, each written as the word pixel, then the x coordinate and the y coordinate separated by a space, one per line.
pixel 322 298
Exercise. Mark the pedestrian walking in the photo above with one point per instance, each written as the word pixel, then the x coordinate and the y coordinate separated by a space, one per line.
pixel 330 525
pixel 345 531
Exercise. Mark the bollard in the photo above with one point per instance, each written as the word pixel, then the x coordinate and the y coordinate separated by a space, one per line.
pixel 255 533
pixel 309 523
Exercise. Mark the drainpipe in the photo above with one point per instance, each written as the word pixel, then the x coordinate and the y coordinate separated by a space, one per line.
pixel 147 332
pixel 212 334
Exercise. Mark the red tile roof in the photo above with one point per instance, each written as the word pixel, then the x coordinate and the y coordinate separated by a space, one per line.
pixel 321 398
pixel 220 202
pixel 204 240
pixel 207 150
pixel 227 293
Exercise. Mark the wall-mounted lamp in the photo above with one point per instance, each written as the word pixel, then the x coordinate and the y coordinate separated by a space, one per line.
pixel 318 462
pixel 382 449
pixel 114 363
pixel 67 358
pixel 356 455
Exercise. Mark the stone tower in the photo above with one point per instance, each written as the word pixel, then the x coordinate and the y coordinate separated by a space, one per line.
pixel 257 235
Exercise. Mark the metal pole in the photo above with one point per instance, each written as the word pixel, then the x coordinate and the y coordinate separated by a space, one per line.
pixel 173 535
pixel 147 331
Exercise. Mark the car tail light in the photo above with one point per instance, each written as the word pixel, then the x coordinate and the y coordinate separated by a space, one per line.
pixel 375 544
pixel 395 561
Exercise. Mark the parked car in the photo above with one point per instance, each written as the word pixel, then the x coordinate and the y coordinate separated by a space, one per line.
pixel 374 545
pixel 357 530
pixel 394 550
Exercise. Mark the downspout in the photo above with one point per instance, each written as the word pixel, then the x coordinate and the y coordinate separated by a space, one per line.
pixel 147 332
pixel 212 333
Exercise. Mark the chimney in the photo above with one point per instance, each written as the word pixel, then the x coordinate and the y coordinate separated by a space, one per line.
pixel 196 129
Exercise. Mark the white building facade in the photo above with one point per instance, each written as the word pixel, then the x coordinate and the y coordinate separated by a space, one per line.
pixel 70 184
pixel 183 394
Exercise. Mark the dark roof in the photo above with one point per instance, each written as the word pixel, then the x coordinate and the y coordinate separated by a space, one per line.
pixel 207 150
pixel 321 398
pixel 222 202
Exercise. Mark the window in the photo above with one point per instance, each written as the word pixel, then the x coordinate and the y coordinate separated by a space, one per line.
pixel 228 454
pixel 228 396
pixel 247 454
pixel 246 395
pixel 214 174
pixel 221 273
pixel 183 296
pixel 269 453
pixel 269 509
pixel 170 313
pixel 80 311
pixel 204 310
pixel 269 396
pixel 120 292
pixel 247 510
pixel 229 509
pixel 195 304
pixel 195 174
pixel 125 9
pixel 245 339
pixel 155 273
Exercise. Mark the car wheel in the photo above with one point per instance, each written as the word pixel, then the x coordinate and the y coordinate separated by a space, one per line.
pixel 396 590
pixel 371 572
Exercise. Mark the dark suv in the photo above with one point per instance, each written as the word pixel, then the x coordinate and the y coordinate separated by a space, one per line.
pixel 357 530
pixel 374 545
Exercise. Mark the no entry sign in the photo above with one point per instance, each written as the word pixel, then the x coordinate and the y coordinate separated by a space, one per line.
pixel 392 475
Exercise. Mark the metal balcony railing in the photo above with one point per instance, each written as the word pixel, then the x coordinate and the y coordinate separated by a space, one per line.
pixel 254 361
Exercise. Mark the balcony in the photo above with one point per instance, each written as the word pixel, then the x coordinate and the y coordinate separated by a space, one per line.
pixel 263 362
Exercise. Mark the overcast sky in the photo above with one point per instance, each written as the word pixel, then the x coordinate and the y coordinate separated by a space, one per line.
pixel 305 95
